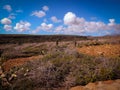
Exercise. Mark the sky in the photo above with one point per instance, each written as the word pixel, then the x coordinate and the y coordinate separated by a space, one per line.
pixel 69 17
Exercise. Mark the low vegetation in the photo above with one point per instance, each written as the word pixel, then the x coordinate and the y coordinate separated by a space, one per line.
pixel 20 39
pixel 63 69
pixel 58 64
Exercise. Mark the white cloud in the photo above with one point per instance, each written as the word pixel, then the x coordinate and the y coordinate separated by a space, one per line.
pixel 19 11
pixel 55 20
pixel 38 14
pixel 78 25
pixel 45 8
pixel 111 22
pixel 7 27
pixel 22 26
pixel 59 29
pixel 43 26
pixel 36 30
pixel 6 21
pixel 7 7
pixel 69 18
pixel 12 16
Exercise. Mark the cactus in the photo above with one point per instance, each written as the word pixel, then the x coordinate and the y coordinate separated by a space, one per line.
pixel 57 42
pixel 75 43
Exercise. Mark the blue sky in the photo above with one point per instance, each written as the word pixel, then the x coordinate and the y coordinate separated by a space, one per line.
pixel 74 17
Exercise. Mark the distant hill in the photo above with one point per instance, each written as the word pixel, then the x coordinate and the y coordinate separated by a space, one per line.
pixel 14 38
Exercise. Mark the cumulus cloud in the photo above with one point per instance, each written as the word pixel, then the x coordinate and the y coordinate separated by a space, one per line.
pixel 7 7
pixel 12 16
pixel 70 18
pixel 38 14
pixel 43 26
pixel 78 25
pixel 22 26
pixel 111 22
pixel 55 20
pixel 7 27
pixel 6 21
pixel 45 8
pixel 59 29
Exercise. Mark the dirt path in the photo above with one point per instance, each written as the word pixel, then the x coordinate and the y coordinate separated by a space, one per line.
pixel 107 50
pixel 101 85
pixel 19 61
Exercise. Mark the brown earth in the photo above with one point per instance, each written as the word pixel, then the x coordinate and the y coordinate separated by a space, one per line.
pixel 17 62
pixel 101 85
pixel 107 50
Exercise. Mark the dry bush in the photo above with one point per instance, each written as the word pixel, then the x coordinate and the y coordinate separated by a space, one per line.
pixel 63 69
pixel 28 51
pixel 35 50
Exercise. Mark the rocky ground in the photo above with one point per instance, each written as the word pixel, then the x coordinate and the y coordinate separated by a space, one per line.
pixel 100 85
pixel 4 82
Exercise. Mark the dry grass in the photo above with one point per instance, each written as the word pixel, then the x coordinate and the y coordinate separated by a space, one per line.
pixel 107 50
